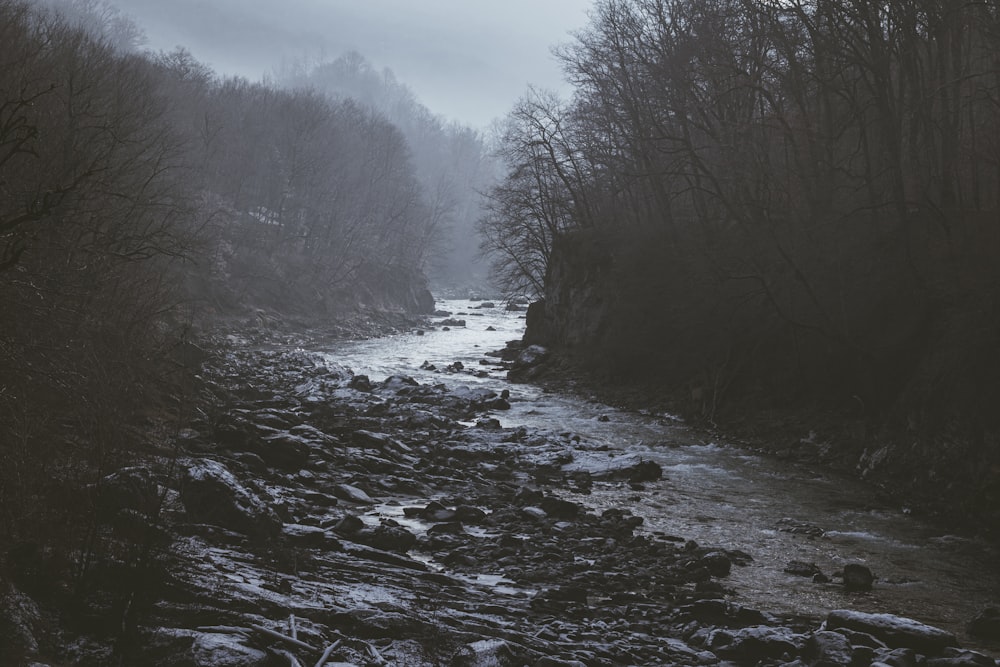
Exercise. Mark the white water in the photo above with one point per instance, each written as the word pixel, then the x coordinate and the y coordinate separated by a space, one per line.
pixel 721 496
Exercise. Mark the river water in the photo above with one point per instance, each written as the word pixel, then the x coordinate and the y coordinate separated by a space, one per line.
pixel 717 495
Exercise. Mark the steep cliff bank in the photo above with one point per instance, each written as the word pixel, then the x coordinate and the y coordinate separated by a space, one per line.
pixel 909 407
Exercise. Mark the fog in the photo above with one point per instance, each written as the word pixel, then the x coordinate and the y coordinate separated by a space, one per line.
pixel 468 61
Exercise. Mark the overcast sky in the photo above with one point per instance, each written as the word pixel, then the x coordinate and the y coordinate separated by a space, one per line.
pixel 468 60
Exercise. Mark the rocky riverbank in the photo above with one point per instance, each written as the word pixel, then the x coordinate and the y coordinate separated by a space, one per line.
pixel 312 516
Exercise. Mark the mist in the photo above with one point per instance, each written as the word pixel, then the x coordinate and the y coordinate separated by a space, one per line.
pixel 466 61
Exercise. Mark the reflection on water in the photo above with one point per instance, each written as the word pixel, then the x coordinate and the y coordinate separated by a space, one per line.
pixel 775 511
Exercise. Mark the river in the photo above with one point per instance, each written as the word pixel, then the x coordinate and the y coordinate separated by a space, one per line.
pixel 718 495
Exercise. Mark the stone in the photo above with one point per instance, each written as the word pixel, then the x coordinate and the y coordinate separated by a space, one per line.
pixel 392 538
pixel 829 649
pixel 558 508
pixel 756 643
pixel 485 653
pixel 531 356
pixel 857 577
pixel 717 563
pixel 349 525
pixel 212 494
pixel 284 451
pixel 895 631
pixel 352 494
pixel 955 657
pixel 801 569
pixel 986 624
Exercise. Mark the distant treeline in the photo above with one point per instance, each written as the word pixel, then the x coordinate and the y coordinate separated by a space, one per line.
pixel 140 192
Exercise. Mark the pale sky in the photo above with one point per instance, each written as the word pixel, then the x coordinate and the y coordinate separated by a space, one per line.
pixel 468 60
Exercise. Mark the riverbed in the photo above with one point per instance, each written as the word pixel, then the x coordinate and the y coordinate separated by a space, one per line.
pixel 715 493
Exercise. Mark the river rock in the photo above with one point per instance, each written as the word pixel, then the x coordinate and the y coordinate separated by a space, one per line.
pixel 352 494
pixel 895 631
pixel 986 624
pixel 858 577
pixel 801 569
pixel 211 494
pixel 485 653
pixel 285 451
pixel 717 563
pixel 956 657
pixel 829 649
pixel 531 356
pixel 756 643
pixel 392 538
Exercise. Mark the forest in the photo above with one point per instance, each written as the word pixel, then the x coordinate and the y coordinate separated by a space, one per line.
pixel 775 218
pixel 144 197
pixel 782 204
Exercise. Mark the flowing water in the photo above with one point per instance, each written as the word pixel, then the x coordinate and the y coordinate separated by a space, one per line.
pixel 775 511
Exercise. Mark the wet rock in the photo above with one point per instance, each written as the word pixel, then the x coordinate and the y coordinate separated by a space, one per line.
pixel 212 494
pixel 900 657
pixel 550 661
pixel 986 624
pixel 635 471
pixel 485 653
pixel 309 536
pixel 719 612
pixel 451 322
pixel 532 512
pixel 755 643
pixel 168 647
pixel 558 508
pixel 531 356
pixel 360 383
pixel 829 649
pixel 446 528
pixel 349 524
pixel 857 577
pixel 392 538
pixel 352 494
pixel 801 569
pixel 284 451
pixel 717 563
pixel 895 631
pixel 470 514
pixel 955 657
pixel 490 424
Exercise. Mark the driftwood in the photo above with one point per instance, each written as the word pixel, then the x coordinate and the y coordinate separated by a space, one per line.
pixel 292 660
pixel 285 638
pixel 329 650
pixel 291 627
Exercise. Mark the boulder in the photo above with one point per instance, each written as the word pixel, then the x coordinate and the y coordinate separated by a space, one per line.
pixel 717 563
pixel 755 643
pixel 895 631
pixel 857 577
pixel 829 649
pixel 986 624
pixel 352 494
pixel 392 538
pixel 211 494
pixel 955 657
pixel 485 653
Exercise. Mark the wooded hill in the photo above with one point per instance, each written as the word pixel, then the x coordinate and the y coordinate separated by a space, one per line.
pixel 775 204
pixel 143 195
